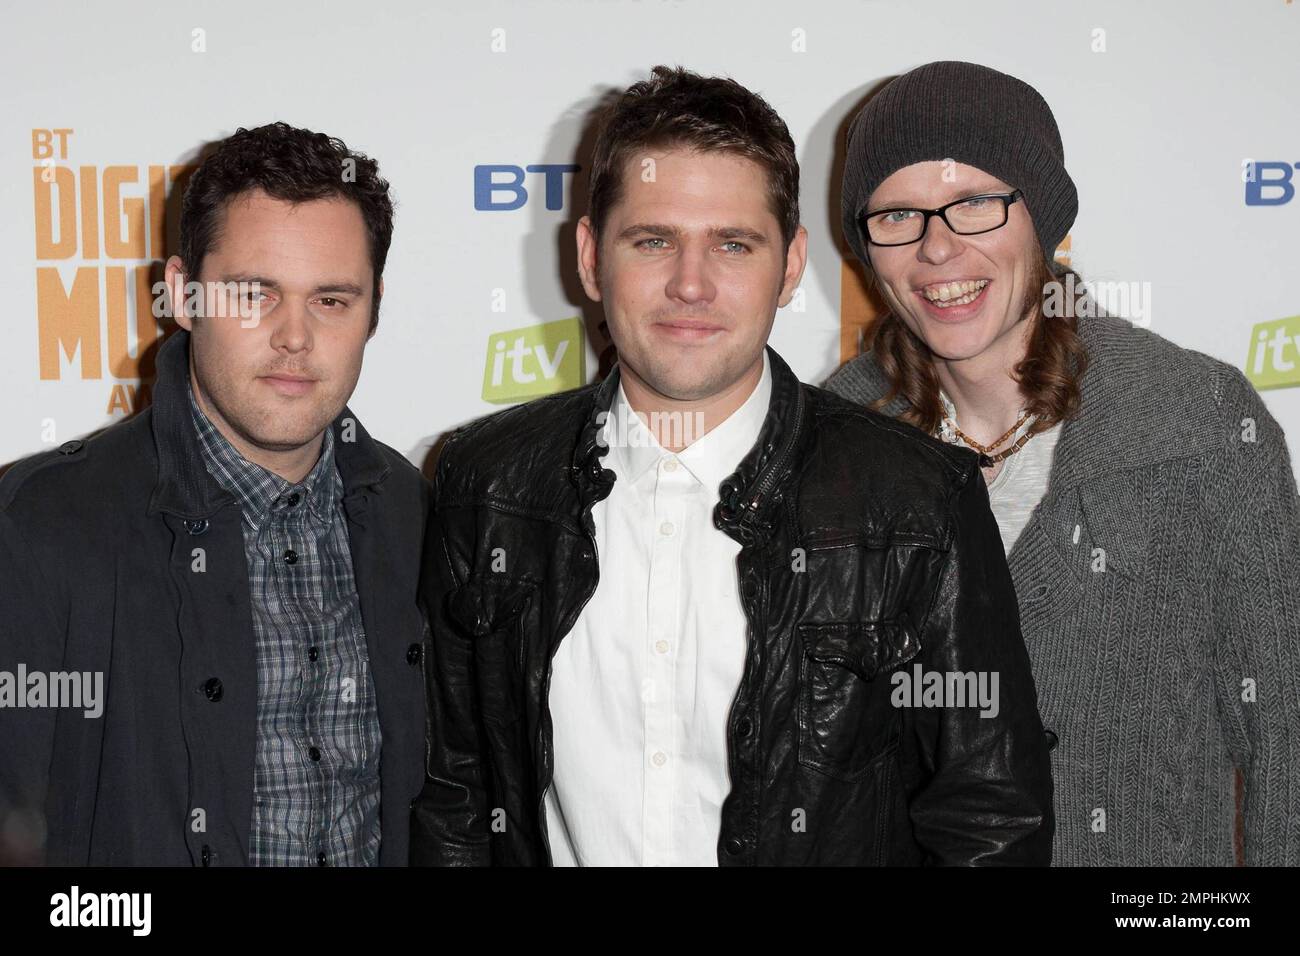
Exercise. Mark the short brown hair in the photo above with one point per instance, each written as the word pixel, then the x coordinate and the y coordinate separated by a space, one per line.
pixel 678 108
pixel 1049 374
pixel 291 164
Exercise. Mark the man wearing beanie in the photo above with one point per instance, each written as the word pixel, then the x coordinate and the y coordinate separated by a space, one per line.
pixel 701 613
pixel 1144 493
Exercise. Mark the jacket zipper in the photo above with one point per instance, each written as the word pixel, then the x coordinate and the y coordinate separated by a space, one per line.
pixel 774 472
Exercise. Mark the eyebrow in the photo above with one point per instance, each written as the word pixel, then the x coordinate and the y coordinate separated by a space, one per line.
pixel 662 231
pixel 958 197
pixel 339 285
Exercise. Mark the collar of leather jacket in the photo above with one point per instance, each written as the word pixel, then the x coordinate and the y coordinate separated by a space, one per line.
pixel 748 496
pixel 184 487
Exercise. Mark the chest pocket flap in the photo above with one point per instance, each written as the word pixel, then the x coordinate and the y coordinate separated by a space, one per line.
pixel 867 648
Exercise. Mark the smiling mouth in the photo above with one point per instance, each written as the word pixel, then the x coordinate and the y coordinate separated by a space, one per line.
pixel 945 295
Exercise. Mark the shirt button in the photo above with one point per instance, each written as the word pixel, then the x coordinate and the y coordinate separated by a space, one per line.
pixel 661 647
pixel 660 759
pixel 670 464
pixel 666 528
pixel 290 556
pixel 320 858
pixel 312 653
pixel 313 753
pixel 1075 539
pixel 294 499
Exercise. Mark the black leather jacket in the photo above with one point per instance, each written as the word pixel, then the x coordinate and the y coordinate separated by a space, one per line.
pixel 867 547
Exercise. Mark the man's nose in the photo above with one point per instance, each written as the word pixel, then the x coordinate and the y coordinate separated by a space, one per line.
pixel 292 332
pixel 938 244
pixel 690 280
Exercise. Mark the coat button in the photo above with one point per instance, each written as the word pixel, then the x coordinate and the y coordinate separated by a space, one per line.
pixel 745 727
pixel 749 588
pixel 413 654
pixel 205 855
pixel 290 556
pixel 197 526
pixel 71 447
pixel 1051 738
pixel 734 846
pixel 213 690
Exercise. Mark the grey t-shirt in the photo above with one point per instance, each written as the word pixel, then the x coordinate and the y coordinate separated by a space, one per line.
pixel 1016 490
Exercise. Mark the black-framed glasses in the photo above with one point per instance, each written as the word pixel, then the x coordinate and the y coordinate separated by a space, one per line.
pixel 965 217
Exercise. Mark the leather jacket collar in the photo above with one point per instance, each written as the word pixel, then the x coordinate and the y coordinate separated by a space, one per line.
pixel 749 495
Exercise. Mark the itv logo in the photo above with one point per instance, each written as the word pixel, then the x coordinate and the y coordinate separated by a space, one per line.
pixel 1269 184
pixel 535 360
pixel 1274 360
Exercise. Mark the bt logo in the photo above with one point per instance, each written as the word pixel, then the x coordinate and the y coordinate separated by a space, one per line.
pixel 488 182
pixel 1268 184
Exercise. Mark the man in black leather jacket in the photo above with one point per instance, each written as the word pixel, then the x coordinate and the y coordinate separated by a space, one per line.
pixel 607 686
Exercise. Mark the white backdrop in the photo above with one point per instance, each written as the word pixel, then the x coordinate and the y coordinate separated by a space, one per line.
pixel 1159 104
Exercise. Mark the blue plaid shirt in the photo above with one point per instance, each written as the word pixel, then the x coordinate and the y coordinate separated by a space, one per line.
pixel 316 779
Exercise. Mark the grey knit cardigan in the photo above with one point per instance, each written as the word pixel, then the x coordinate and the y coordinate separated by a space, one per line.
pixel 1159 589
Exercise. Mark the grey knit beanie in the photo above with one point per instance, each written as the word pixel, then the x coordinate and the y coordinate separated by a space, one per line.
pixel 974 115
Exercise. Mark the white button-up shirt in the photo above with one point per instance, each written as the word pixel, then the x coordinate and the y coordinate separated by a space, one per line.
pixel 642 686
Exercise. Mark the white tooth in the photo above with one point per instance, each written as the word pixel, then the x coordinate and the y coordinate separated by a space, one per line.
pixel 943 293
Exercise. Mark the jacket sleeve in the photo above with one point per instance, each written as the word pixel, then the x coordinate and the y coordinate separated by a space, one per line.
pixel 984 795
pixel 1253 527
pixel 31 641
pixel 449 822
